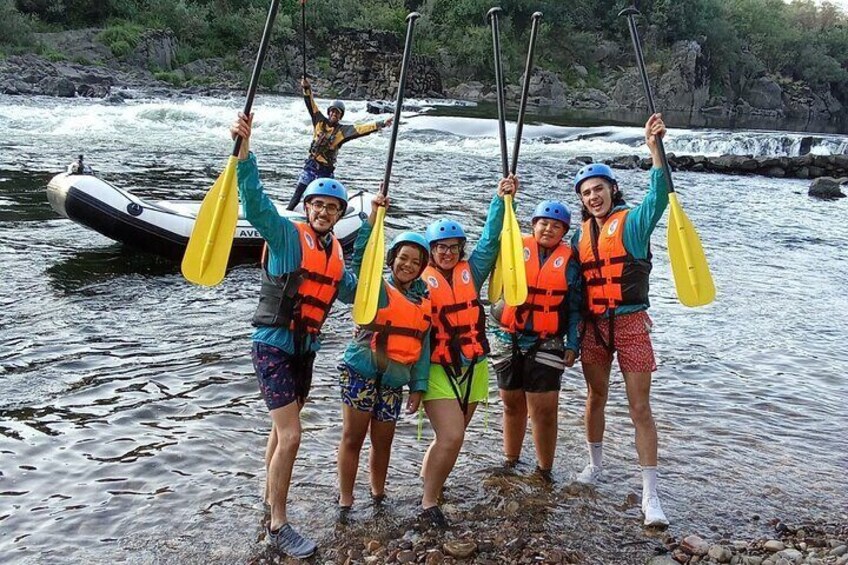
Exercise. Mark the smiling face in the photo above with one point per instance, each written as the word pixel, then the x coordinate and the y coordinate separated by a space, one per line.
pixel 408 264
pixel 548 233
pixel 596 196
pixel 333 116
pixel 446 253
pixel 322 212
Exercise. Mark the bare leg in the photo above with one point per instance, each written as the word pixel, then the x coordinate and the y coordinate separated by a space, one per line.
pixel 543 414
pixel 514 422
pixel 449 423
pixel 287 429
pixel 382 434
pixel 597 383
pixel 355 428
pixel 269 452
pixel 638 387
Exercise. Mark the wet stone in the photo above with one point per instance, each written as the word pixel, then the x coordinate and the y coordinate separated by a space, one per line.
pixel 373 546
pixel 459 548
pixel 720 553
pixel 774 546
pixel 434 557
pixel 791 554
pixel 694 545
pixel 406 556
pixel 838 551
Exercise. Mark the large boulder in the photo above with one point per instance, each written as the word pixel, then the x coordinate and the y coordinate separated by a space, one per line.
pixel 156 49
pixel 546 86
pixel 683 87
pixel 764 93
pixel 827 188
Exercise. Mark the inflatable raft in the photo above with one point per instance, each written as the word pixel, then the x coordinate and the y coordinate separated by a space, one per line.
pixel 163 227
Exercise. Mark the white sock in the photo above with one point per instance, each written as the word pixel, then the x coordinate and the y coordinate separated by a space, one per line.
pixel 596 454
pixel 649 482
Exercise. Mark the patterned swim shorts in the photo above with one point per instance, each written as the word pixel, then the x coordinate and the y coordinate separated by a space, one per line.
pixel 632 343
pixel 276 374
pixel 361 394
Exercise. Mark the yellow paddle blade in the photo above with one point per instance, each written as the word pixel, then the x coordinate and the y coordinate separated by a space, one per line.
pixel 205 259
pixel 512 257
pixel 692 276
pixel 370 274
pixel 496 281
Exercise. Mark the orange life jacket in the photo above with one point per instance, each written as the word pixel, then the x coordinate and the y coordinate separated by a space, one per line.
pixel 322 272
pixel 399 327
pixel 547 287
pixel 459 321
pixel 612 277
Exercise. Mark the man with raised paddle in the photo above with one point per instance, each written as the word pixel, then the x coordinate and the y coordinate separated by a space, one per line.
pixel 302 275
pixel 613 246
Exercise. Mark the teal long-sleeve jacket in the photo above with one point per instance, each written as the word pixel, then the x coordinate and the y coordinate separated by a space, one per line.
pixel 359 355
pixel 284 253
pixel 639 226
pixel 574 300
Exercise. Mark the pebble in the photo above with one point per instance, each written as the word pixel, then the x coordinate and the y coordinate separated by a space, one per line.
pixel 839 550
pixel 774 546
pixel 720 553
pixel 460 549
pixel 434 557
pixel 406 556
pixel 791 554
pixel 695 545
pixel 752 560
pixel 373 546
pixel 842 560
pixel 662 560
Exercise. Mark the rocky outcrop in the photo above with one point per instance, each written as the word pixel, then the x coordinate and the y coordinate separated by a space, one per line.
pixel 828 188
pixel 803 167
pixel 683 87
pixel 156 49
pixel 29 74
pixel 367 65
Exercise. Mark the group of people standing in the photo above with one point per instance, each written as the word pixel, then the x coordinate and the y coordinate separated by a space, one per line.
pixel 587 299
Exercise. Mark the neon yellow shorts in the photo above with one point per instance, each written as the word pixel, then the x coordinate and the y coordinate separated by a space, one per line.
pixel 439 387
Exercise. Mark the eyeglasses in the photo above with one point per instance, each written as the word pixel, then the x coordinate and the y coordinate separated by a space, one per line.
pixel 331 207
pixel 442 248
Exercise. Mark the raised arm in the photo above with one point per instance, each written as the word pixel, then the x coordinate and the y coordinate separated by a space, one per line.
pixel 482 259
pixel 353 131
pixel 311 106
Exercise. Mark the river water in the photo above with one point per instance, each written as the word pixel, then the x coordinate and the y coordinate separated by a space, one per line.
pixel 131 428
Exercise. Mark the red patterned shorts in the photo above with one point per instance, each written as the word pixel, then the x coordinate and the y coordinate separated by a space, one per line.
pixel 632 343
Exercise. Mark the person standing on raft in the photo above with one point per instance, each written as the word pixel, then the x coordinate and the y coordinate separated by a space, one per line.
pixel 328 135
pixel 613 247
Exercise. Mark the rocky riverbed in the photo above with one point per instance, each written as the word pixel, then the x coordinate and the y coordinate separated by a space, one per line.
pixel 525 520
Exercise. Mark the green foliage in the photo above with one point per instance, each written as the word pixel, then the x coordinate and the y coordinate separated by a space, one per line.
pixel 120 38
pixel 170 77
pixel 52 55
pixel 15 28
pixel 268 78
pixel 803 40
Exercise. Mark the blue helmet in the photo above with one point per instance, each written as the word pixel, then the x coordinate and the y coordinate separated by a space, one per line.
pixel 327 187
pixel 409 238
pixel 593 170
pixel 444 229
pixel 553 210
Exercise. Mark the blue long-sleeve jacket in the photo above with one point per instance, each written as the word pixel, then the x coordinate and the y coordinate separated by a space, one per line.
pixel 358 353
pixel 638 227
pixel 284 253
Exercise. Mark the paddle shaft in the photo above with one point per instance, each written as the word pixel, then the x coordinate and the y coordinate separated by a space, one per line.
pixel 303 33
pixel 499 86
pixel 404 67
pixel 257 66
pixel 525 91
pixel 640 59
